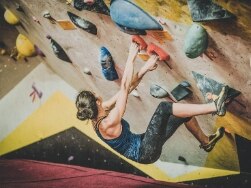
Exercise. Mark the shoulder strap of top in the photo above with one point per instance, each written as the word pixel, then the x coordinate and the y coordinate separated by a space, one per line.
pixel 96 126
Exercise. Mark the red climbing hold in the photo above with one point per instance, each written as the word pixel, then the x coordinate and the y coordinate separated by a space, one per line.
pixel 154 49
pixel 140 41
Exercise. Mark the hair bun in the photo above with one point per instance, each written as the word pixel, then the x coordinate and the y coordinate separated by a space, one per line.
pixel 85 113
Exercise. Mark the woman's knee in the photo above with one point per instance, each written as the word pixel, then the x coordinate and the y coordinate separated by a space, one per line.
pixel 165 106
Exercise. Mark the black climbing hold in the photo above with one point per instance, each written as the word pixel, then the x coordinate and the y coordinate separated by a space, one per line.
pixel 158 92
pixel 205 10
pixel 208 85
pixel 58 50
pixel 99 6
pixel 181 91
pixel 82 23
pixel 185 84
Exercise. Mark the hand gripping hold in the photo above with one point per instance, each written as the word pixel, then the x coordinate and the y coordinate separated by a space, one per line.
pixel 140 41
pixel 154 49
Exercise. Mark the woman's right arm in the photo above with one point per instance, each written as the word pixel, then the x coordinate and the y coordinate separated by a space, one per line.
pixel 116 114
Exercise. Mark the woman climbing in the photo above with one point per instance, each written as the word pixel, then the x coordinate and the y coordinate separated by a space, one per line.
pixel 145 148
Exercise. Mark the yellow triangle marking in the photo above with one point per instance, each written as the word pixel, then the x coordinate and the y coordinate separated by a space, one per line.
pixel 52 117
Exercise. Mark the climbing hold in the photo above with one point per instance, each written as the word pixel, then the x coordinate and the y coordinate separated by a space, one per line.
pixel 196 41
pixel 135 93
pixel 158 92
pixel 46 14
pixel 58 50
pixel 130 31
pixel 35 19
pixel 82 23
pixel 92 5
pixel 87 71
pixel 205 10
pixel 107 64
pixel 2 48
pixel 70 158
pixel 132 16
pixel 24 46
pixel 181 91
pixel 154 49
pixel 140 41
pixel 39 51
pixel 19 8
pixel 10 17
pixel 185 84
pixel 208 85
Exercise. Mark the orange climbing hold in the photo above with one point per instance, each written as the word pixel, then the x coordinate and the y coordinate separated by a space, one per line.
pixel 140 41
pixel 154 49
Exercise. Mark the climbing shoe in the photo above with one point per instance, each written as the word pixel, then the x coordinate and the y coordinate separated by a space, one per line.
pixel 220 101
pixel 213 139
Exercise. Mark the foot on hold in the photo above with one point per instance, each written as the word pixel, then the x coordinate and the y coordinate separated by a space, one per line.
pixel 154 49
pixel 220 101
pixel 107 64
pixel 213 139
pixel 140 41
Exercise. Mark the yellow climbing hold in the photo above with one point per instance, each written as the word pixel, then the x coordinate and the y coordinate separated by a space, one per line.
pixel 10 17
pixel 24 46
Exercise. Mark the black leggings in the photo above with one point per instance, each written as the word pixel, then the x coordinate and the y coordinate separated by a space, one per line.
pixel 161 127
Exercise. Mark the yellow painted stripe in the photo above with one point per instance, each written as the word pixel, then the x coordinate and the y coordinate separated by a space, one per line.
pixel 203 173
pixel 58 113
pixel 235 124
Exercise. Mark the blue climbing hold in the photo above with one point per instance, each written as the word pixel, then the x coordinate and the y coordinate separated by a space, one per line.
pixel 132 16
pixel 107 64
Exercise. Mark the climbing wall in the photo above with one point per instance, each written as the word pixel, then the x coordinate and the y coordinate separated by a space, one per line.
pixel 226 61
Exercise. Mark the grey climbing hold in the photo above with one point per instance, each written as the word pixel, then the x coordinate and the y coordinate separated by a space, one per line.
pixel 206 10
pixel 208 85
pixel 196 41
pixel 158 92
pixel 135 93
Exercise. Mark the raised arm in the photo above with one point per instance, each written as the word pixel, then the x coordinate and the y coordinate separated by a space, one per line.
pixel 149 65
pixel 116 114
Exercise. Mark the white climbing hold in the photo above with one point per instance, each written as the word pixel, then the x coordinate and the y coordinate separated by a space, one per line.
pixel 135 93
pixel 70 158
pixel 87 71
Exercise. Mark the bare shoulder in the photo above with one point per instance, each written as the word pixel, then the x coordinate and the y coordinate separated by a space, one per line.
pixel 109 130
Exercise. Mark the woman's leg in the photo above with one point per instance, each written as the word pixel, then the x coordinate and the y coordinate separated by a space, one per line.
pixel 193 127
pixel 189 110
pixel 206 142
pixel 161 127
